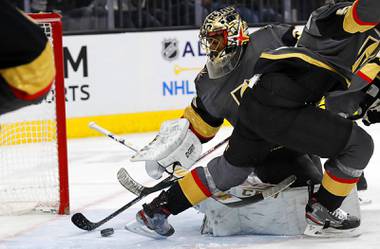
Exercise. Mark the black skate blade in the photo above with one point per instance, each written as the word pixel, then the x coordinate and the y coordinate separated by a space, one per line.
pixel 137 228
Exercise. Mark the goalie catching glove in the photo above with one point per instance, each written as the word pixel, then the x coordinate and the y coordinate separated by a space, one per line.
pixel 175 143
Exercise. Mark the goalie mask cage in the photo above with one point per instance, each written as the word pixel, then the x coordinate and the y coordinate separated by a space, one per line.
pixel 33 149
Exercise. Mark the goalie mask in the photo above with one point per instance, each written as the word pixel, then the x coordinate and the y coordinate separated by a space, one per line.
pixel 222 36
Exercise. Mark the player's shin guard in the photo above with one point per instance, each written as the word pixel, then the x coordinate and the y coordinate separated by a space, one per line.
pixel 187 192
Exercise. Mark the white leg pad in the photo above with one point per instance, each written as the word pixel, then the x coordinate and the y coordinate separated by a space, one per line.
pixel 283 215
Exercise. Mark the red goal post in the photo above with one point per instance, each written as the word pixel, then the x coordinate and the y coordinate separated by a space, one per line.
pixel 33 145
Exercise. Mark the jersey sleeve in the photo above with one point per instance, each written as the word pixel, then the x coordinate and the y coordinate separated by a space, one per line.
pixel 27 67
pixel 202 123
pixel 361 16
pixel 344 19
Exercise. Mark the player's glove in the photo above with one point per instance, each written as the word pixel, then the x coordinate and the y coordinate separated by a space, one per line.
pixel 372 116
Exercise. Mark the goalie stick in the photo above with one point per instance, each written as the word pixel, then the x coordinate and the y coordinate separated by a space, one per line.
pixel 129 183
pixel 122 141
pixel 136 188
pixel 109 134
pixel 82 222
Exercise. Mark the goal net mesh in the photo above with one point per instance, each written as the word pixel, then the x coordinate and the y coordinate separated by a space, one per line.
pixel 29 170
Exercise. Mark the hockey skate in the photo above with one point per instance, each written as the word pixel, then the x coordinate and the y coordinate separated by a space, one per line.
pixel 153 218
pixel 320 222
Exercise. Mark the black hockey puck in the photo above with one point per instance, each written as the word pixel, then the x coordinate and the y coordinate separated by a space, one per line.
pixel 107 232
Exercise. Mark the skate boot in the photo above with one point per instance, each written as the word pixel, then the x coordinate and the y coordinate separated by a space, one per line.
pixel 154 216
pixel 324 223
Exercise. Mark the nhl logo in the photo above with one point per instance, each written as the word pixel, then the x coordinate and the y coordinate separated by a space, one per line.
pixel 169 49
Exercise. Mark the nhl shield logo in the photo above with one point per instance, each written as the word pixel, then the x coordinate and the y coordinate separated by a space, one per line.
pixel 169 49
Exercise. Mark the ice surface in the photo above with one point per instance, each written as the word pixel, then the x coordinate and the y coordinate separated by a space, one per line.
pixel 95 192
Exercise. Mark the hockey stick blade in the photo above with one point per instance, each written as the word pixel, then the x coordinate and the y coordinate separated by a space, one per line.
pixel 82 222
pixel 128 182
pixel 138 189
pixel 270 192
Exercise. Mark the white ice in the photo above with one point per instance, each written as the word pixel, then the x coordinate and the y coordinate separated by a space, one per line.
pixel 95 192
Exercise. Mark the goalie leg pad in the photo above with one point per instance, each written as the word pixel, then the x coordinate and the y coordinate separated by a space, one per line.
pixel 282 215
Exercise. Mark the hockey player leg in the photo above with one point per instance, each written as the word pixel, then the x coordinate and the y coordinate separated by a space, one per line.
pixel 194 187
pixel 154 216
pixel 183 194
pixel 323 215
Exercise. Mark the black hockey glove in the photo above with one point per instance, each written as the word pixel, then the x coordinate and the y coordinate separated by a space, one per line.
pixel 290 37
pixel 372 115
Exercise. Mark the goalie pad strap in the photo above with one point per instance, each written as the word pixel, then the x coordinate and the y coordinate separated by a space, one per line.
pixel 203 130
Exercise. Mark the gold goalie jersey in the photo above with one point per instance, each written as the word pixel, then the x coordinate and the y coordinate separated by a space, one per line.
pixel 218 99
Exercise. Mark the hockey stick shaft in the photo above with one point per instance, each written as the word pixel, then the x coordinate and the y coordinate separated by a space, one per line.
pixel 130 184
pixel 213 149
pixel 109 134
pixel 82 222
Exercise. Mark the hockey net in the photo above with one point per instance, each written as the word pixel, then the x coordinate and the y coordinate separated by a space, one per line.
pixel 33 151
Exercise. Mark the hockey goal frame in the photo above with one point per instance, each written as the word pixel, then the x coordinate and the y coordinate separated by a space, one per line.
pixel 55 21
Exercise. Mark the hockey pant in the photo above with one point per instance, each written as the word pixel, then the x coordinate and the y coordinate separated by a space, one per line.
pixel 219 174
pixel 270 120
